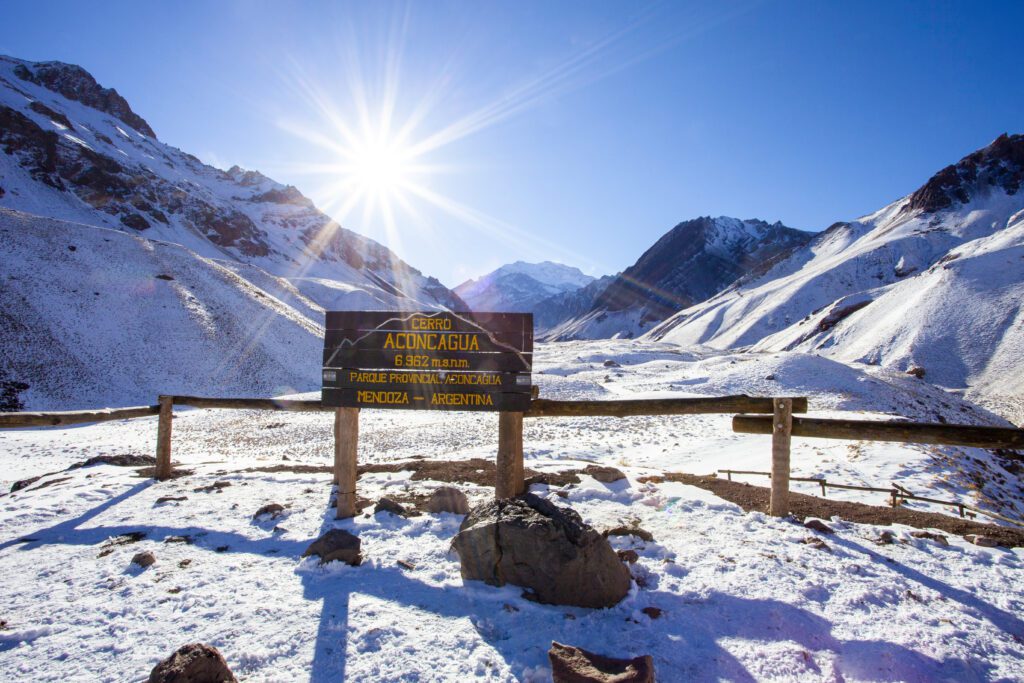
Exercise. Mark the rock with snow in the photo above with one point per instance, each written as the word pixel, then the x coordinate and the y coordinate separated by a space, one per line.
pixel 336 544
pixel 193 663
pixel 392 506
pixel 530 542
pixel 575 665
pixel 272 510
pixel 819 526
pixel 448 499
pixel 981 540
pixel 604 473
pixel 144 559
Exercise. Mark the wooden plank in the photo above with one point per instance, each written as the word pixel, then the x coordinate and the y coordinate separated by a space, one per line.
pixel 390 380
pixel 782 426
pixel 71 417
pixel 346 447
pixel 476 340
pixel 434 360
pixel 250 404
pixel 163 439
pixel 658 406
pixel 425 398
pixel 903 432
pixel 509 481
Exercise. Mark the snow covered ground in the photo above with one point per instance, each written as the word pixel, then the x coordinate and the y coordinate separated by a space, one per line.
pixel 741 596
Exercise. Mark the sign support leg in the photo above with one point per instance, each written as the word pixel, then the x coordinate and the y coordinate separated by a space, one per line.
pixel 510 482
pixel 163 439
pixel 346 442
pixel 782 429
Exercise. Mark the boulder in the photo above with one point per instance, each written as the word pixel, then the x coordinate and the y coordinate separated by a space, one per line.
pixel 275 510
pixel 392 506
pixel 819 526
pixel 530 542
pixel 576 665
pixel 448 499
pixel 193 663
pixel 983 541
pixel 144 559
pixel 336 544
pixel 605 475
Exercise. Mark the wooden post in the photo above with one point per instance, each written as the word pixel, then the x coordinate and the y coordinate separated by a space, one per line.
pixel 163 439
pixel 510 480
pixel 782 427
pixel 346 444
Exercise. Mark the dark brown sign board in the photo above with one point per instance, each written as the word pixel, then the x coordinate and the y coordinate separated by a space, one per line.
pixel 428 360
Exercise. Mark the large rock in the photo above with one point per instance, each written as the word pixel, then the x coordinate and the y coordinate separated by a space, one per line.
pixel 576 665
pixel 530 542
pixel 193 663
pixel 336 544
pixel 448 499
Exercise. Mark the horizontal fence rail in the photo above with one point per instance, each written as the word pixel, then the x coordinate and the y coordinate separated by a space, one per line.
pixel 72 417
pixel 288 405
pixel 657 406
pixel 903 432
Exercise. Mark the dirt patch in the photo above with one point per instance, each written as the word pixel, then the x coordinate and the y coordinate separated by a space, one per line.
pixel 750 497
pixel 473 471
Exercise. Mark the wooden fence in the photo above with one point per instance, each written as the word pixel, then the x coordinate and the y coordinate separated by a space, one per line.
pixel 761 415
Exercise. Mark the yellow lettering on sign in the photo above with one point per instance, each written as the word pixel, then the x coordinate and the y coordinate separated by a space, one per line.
pixel 449 363
pixel 461 400
pixel 418 341
pixel 391 398
pixel 431 323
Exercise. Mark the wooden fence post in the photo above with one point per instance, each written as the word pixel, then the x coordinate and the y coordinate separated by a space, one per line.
pixel 510 477
pixel 782 428
pixel 163 439
pixel 346 445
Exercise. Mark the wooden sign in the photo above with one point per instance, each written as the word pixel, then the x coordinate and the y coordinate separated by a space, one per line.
pixel 428 360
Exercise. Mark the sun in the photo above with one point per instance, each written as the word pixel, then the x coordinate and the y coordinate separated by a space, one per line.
pixel 380 167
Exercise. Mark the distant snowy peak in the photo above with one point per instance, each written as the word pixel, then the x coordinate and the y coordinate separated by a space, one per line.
pixel 691 262
pixel 77 152
pixel 75 83
pixel 520 286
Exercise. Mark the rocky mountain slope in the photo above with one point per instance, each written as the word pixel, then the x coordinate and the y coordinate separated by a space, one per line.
pixel 690 263
pixel 519 286
pixel 76 151
pixel 932 284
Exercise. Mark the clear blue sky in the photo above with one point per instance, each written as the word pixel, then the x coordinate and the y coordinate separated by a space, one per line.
pixel 579 132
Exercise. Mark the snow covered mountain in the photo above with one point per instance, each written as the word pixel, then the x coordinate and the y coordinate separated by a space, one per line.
pixel 76 151
pixel 932 284
pixel 521 286
pixel 130 268
pixel 690 263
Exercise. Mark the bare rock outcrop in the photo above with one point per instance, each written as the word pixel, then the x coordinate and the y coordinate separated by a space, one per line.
pixel 193 663
pixel 576 665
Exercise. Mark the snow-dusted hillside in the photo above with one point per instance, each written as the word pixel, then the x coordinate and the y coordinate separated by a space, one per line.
pixel 719 593
pixel 98 317
pixel 932 282
pixel 688 264
pixel 520 286
pixel 76 151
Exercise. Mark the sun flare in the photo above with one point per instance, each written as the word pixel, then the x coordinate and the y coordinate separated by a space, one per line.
pixel 381 168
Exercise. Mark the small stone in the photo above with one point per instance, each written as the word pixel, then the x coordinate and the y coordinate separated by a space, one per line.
pixel 916 371
pixel 819 526
pixel 611 364
pixel 605 475
pixel 179 539
pixel 184 563
pixel 938 538
pixel 769 377
pixel 448 499
pixel 336 544
pixel 885 538
pixel 388 505
pixel 628 556
pixel 144 559
pixel 982 541
pixel 817 544
pixel 576 665
pixel 193 663
pixel 652 612
pixel 633 530
pixel 273 509
pixel 170 499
